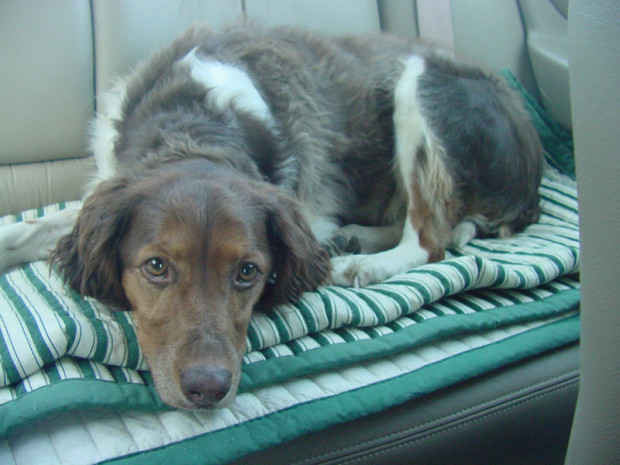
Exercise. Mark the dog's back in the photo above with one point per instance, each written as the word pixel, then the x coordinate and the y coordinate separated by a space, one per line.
pixel 315 117
pixel 228 160
pixel 493 152
pixel 307 112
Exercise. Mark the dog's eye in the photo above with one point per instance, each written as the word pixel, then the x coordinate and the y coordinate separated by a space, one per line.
pixel 247 274
pixel 155 268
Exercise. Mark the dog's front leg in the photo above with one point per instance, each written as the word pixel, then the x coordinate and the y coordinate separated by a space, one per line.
pixel 426 185
pixel 364 269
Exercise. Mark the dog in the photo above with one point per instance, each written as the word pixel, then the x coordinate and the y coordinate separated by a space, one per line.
pixel 241 169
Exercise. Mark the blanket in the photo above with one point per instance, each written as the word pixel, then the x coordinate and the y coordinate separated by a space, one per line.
pixel 334 355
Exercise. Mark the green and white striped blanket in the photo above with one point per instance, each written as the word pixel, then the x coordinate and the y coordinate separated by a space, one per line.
pixel 59 351
pixel 72 366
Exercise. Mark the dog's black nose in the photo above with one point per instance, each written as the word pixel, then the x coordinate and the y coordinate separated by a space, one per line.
pixel 205 386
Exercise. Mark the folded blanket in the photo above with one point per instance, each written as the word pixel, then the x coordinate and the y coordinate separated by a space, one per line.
pixel 59 351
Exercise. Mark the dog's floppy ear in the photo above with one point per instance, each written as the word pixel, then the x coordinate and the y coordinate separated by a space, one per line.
pixel 300 264
pixel 88 257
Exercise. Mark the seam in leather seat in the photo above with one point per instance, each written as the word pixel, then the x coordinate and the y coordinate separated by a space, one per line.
pixel 466 423
pixel 493 407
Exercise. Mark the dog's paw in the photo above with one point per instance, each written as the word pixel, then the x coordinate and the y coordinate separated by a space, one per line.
pixel 354 271
pixel 463 233
pixel 340 245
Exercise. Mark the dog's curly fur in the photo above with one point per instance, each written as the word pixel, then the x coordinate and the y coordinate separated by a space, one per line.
pixel 229 163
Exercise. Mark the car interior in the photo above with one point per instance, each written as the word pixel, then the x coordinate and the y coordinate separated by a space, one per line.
pixel 544 391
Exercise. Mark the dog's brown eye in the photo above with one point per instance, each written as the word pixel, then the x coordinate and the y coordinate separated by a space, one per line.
pixel 155 268
pixel 247 274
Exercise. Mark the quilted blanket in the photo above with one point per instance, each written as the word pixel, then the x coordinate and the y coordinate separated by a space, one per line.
pixel 72 372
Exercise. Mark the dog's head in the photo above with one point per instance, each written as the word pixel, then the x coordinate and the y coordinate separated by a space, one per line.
pixel 191 251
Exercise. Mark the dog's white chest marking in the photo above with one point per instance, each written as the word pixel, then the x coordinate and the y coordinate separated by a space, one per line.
pixel 229 86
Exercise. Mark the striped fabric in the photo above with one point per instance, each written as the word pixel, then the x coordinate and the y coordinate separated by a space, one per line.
pixel 277 412
pixel 546 251
pixel 74 386
pixel 49 334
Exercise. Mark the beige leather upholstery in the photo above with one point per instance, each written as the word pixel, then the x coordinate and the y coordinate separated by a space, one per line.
pixel 594 31
pixel 46 100
pixel 127 31
pixel 547 45
pixel 46 85
pixel 336 17
pixel 30 185
pixel 399 17
pixel 490 31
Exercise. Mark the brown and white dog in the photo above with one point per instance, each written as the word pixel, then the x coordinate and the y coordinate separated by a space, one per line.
pixel 228 164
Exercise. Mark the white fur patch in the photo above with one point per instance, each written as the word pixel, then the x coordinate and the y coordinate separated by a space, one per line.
pixel 463 233
pixel 412 133
pixel 229 86
pixel 409 124
pixel 104 133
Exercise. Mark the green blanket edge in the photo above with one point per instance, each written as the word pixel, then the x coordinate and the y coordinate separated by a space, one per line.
pixel 261 433
pixel 334 356
pixel 94 394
